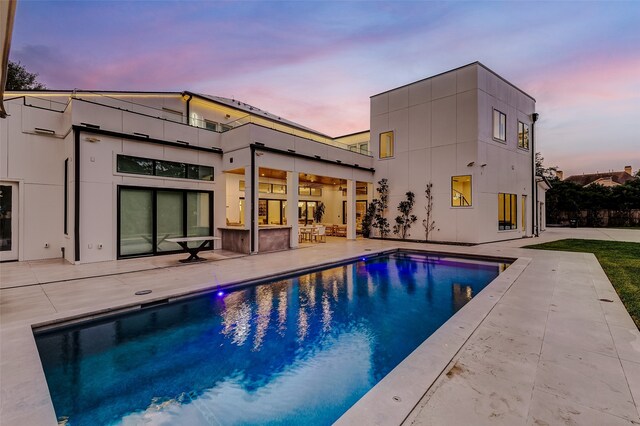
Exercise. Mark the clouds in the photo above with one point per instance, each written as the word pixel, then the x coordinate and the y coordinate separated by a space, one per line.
pixel 317 63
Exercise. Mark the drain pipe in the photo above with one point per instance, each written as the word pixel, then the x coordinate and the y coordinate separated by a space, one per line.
pixel 534 185
pixel 188 105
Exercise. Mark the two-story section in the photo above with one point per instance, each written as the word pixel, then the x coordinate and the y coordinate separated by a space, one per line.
pixel 467 132
pixel 99 176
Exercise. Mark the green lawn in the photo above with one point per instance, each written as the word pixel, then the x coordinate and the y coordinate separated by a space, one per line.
pixel 620 261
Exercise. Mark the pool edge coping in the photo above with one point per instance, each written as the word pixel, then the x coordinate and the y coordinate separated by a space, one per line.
pixel 34 391
pixel 392 400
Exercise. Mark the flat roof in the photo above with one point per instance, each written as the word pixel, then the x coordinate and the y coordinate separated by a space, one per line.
pixel 456 69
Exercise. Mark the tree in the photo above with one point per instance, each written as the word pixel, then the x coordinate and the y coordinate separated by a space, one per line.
pixel 367 220
pixel 405 219
pixel 541 170
pixel 18 78
pixel 380 222
pixel 428 223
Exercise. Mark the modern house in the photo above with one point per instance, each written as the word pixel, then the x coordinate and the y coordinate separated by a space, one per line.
pixel 98 176
pixel 605 179
pixel 470 133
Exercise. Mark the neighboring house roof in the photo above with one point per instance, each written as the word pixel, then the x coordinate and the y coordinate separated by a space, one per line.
pixel 618 177
pixel 250 109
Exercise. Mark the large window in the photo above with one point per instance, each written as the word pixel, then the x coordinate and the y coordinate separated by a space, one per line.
pixel 305 211
pixel 150 167
pixel 461 191
pixel 507 211
pixel 499 126
pixel 523 135
pixel 386 144
pixel 147 217
pixel 272 212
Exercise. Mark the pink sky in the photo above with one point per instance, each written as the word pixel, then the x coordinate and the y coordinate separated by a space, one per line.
pixel 317 63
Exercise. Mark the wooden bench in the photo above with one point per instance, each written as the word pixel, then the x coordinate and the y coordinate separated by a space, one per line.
pixel 193 251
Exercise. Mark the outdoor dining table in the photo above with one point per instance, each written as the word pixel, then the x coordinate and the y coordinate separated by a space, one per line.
pixel 193 251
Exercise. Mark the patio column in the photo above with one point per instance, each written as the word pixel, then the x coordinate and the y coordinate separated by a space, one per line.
pixel 293 180
pixel 351 209
pixel 249 201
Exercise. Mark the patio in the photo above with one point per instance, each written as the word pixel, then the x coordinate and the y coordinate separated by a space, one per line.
pixel 547 351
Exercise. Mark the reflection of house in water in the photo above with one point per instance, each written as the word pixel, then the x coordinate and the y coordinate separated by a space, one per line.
pixel 460 295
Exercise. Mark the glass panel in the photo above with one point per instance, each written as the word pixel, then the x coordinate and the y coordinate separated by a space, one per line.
pixel 135 165
pixel 241 213
pixel 364 148
pixel 170 169
pixel 170 219
pixel 302 212
pixel 198 215
pixel 284 212
pixel 525 138
pixel 275 212
pixel 262 212
pixel 264 188
pixel 499 125
pixel 199 172
pixel 304 190
pixel 386 144
pixel 279 189
pixel 520 134
pixel 361 210
pixel 316 192
pixel 524 212
pixel 136 221
pixel 514 211
pixel 311 207
pixel 241 186
pixel 461 191
pixel 501 222
pixel 5 217
pixel 210 125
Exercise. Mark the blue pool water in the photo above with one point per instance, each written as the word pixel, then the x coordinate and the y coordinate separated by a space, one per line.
pixel 296 351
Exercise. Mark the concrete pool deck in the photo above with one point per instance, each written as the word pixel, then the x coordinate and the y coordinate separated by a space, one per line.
pixel 547 351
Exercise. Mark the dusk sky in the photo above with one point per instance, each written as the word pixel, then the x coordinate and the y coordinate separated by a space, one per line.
pixel 317 63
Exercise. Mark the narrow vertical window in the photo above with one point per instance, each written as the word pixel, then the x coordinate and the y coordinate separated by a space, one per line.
pixel 461 191
pixel 66 196
pixel 507 211
pixel 386 144
pixel 499 126
pixel 523 135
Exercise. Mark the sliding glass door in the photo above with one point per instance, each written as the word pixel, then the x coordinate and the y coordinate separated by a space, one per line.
pixel 136 221
pixel 147 217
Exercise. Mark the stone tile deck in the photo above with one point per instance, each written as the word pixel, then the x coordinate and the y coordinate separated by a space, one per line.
pixel 548 352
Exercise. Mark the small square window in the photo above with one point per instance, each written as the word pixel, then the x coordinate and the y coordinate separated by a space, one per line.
pixel 499 126
pixel 386 144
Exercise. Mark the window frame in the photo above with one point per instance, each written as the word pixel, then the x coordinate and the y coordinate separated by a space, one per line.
pixel 470 192
pixel 392 146
pixel 154 218
pixel 154 164
pixel 493 124
pixel 521 144
pixel 513 211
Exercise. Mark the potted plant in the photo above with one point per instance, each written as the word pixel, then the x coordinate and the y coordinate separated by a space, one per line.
pixel 318 213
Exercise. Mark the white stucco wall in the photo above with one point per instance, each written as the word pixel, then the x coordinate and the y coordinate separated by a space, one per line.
pixel 443 128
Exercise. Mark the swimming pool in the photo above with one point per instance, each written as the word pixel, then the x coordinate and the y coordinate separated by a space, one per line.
pixel 300 350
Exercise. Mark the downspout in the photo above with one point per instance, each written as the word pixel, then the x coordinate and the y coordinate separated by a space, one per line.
pixel 534 185
pixel 76 194
pixel 253 197
pixel 188 105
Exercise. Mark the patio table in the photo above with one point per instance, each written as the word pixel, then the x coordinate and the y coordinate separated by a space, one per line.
pixel 193 251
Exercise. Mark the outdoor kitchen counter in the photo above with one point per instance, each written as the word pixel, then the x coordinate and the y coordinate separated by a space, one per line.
pixel 270 238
